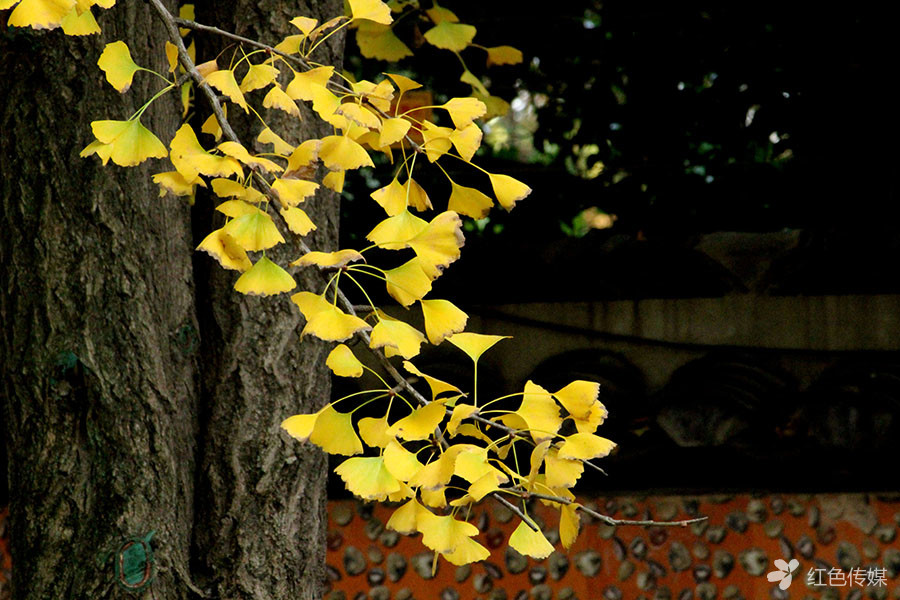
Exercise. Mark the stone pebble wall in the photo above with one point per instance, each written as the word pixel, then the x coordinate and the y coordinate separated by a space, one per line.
pixel 727 557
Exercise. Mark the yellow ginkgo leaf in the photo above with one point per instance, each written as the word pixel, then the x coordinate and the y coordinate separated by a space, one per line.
pixel 326 104
pixel 475 344
pixel 292 192
pixel 404 84
pixel 472 464
pixel 254 231
pixel 334 181
pixel 508 190
pixel 304 24
pixel 224 249
pixel 279 145
pixel 469 430
pixel 486 484
pixel 467 141
pixel 436 140
pixel 229 188
pixel 39 14
pixel 438 244
pixel 339 152
pixel 334 433
pixel 373 10
pixel 302 158
pixel 460 412
pixel 578 397
pixel 477 87
pixel 174 182
pixel 464 110
pixel 326 321
pixel 297 220
pixel 594 419
pixel 408 282
pixel 290 44
pixel 536 460
pixel 416 196
pixel 324 260
pixel 467 551
pixel 396 337
pixel 186 11
pixel 130 143
pixel 529 542
pixel 503 55
pixel 305 85
pixel 238 152
pixel 439 14
pixel 569 522
pixel 392 198
pixel 103 151
pixel 405 519
pixel 265 278
pixel 561 472
pixel 437 473
pixel 450 36
pixel 421 423
pixel 344 363
pixel 540 412
pixel 442 319
pixel 469 201
pixel 359 115
pixel 278 98
pixel 258 77
pixel 211 125
pixel 444 534
pixel 402 463
pixel 76 23
pixel 236 208
pixel 374 432
pixel 394 233
pixel 379 41
pixel 224 81
pixel 585 446
pixel 210 66
pixel 367 477
pixel 190 159
pixel 434 498
pixel 378 95
pixel 171 56
pixel 437 386
pixel 393 130
pixel 300 427
pixel 402 494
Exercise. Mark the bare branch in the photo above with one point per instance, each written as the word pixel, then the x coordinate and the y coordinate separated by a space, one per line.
pixel 516 510
pixel 609 520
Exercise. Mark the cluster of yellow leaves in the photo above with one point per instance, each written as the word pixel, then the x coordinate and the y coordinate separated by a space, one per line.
pixel 377 39
pixel 366 119
pixel 73 16
pixel 454 472
pixel 256 188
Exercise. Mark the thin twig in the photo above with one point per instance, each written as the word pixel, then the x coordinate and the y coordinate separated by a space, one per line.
pixel 250 42
pixel 609 520
pixel 516 510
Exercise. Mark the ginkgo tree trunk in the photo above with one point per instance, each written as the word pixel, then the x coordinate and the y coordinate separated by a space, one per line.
pixel 139 393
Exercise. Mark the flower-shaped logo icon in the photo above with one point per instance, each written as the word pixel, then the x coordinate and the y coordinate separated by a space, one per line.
pixel 784 572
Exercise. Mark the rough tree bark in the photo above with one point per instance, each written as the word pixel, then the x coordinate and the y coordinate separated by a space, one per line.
pixel 138 393
pixel 264 509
